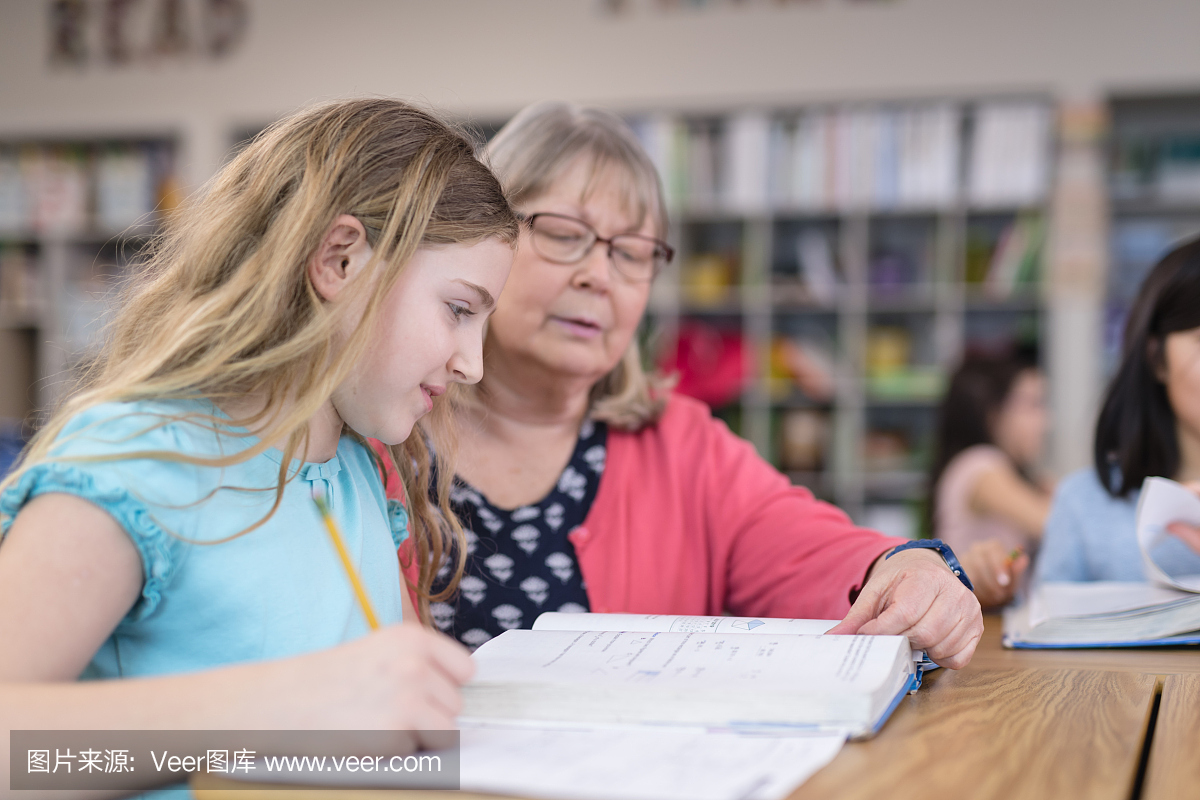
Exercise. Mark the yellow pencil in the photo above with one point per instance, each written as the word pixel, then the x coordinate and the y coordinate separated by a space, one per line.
pixel 351 572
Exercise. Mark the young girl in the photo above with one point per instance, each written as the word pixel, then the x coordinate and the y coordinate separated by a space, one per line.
pixel 991 429
pixel 330 285
pixel 1149 425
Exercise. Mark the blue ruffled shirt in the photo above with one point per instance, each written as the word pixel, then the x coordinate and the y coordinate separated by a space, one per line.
pixel 277 591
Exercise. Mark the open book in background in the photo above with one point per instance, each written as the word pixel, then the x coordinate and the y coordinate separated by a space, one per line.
pixel 1163 611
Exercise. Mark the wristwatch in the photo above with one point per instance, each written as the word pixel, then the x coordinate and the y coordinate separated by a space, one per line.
pixel 943 550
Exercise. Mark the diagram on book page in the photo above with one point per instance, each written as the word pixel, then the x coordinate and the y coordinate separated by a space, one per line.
pixel 748 624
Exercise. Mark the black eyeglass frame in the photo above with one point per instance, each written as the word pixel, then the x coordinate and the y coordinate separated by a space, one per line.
pixel 662 247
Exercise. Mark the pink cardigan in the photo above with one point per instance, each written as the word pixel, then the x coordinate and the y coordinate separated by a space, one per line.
pixel 689 520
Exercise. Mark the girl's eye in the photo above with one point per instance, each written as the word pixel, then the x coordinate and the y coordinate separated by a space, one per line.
pixel 460 311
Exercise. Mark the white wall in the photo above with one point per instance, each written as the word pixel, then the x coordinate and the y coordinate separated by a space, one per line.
pixel 489 57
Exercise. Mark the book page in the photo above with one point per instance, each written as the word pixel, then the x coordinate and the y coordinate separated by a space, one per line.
pixel 1162 502
pixel 598 763
pixel 677 623
pixel 697 660
pixel 1101 598
pixel 635 763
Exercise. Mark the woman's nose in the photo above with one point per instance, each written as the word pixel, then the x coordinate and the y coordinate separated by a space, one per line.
pixel 595 270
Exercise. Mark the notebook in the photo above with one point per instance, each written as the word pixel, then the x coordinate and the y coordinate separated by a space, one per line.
pixel 731 673
pixel 1162 611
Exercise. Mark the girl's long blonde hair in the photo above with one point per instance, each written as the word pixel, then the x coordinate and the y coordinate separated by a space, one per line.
pixel 223 307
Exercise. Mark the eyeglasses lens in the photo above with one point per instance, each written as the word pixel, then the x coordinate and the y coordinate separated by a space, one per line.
pixel 567 241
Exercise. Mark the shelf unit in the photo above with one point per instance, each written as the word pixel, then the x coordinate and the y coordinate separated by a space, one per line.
pixel 73 213
pixel 907 303
pixel 1154 186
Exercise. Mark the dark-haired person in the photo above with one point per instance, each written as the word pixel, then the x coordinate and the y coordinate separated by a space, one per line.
pixel 1149 425
pixel 985 502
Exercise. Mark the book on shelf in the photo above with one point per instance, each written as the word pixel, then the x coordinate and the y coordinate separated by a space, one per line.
pixel 14 212
pixel 124 188
pixel 808 172
pixel 739 673
pixel 883 158
pixel 20 293
pixel 1165 610
pixel 747 154
pixel 816 266
pixel 1009 161
pixel 836 159
pixel 1016 260
pixel 57 182
pixel 928 156
pixel 69 190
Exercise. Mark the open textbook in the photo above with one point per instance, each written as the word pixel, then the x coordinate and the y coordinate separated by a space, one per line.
pixel 1163 611
pixel 654 707
pixel 717 672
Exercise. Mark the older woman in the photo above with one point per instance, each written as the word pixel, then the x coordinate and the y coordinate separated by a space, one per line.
pixel 585 485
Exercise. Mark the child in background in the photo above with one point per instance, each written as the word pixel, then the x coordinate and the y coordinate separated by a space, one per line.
pixel 984 501
pixel 329 286
pixel 1149 425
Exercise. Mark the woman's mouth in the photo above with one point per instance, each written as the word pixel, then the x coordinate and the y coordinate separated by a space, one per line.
pixel 582 327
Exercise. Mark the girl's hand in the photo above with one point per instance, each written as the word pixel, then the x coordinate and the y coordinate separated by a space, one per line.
pixel 404 678
pixel 994 571
pixel 914 594
pixel 1188 533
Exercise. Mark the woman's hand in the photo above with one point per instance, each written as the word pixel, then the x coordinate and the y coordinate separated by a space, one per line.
pixel 914 594
pixel 994 570
pixel 1188 533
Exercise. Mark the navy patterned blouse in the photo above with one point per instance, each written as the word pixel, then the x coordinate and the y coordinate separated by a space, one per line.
pixel 520 562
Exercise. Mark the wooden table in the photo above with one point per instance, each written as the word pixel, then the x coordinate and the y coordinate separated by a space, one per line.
pixel 1174 766
pixel 1013 724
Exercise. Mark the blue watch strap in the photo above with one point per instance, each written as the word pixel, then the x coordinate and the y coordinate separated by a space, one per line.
pixel 943 550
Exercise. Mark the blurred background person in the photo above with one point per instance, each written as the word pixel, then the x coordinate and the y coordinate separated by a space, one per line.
pixel 1149 425
pixel 985 497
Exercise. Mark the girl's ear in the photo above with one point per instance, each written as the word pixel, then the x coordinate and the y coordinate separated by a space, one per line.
pixel 343 252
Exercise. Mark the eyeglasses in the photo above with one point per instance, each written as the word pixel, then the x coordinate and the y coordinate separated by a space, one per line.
pixel 566 240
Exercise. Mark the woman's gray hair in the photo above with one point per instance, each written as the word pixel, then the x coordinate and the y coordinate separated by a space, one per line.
pixel 529 154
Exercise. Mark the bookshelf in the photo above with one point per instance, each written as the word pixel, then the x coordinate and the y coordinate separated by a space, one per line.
pixel 72 215
pixel 835 263
pixel 1154 187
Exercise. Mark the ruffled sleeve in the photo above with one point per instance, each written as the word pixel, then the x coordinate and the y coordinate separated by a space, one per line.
pixel 144 495
pixel 398 519
pixel 155 546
